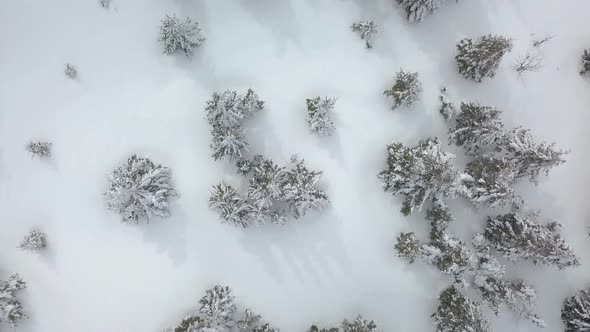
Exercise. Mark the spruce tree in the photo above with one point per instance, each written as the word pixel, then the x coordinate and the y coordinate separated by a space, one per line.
pixel 35 240
pixel 318 115
pixel 232 208
pixel 489 183
pixel 529 157
pixel 480 58
pixel 419 173
pixel 477 128
pixel 41 149
pixel 266 186
pixel 585 62
pixel 457 313
pixel 518 237
pixel 300 190
pixel 180 34
pixel 11 311
pixel 575 312
pixel 217 306
pixel 228 143
pixel 447 108
pixel 406 89
pixel 139 190
pixel 418 9
pixel 230 109
pixel 358 325
pixel 366 30
pixel 448 254
pixel 408 246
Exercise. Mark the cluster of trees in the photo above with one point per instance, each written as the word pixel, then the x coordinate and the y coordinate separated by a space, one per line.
pixel 11 311
pixel 218 311
pixel 423 174
pixel 274 193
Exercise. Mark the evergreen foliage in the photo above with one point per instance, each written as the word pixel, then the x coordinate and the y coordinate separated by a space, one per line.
pixel 408 246
pixel 476 129
pixel 139 190
pixel 447 108
pixel 217 306
pixel 418 9
pixel 481 58
pixel 456 313
pixel 11 311
pixel 232 208
pixel 585 62
pixel 41 149
pixel 35 240
pixel 518 237
pixel 575 312
pixel 419 173
pixel 405 90
pixel 70 71
pixel 318 115
pixel 366 30
pixel 180 34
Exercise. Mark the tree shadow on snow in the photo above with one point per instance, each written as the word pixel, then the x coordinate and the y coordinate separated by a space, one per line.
pixel 308 249
pixel 169 235
pixel 279 17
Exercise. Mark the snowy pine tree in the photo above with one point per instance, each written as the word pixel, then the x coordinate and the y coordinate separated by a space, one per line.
pixel 217 306
pixel 177 33
pixel 247 165
pixel 266 186
pixel 140 190
pixel 447 108
pixel 476 129
pixel 456 313
pixel 519 237
pixel 70 71
pixel 228 143
pixel 406 89
pixel 408 246
pixel 232 208
pixel 575 312
pixel 105 3
pixel 489 183
pixel 358 325
pixel 366 29
pixel 229 108
pixel 300 191
pixel 35 240
pixel 488 274
pixel 480 59
pixel 249 321
pixel 530 158
pixel 418 9
pixel 585 62
pixel 439 216
pixel 419 173
pixel 11 311
pixel 318 115
pixel 41 149
pixel 448 254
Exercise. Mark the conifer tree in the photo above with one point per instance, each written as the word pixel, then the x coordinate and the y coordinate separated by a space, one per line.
pixel 519 237
pixel 481 58
pixel 232 208
pixel 35 240
pixel 358 325
pixel 217 306
pixel 575 312
pixel 447 108
pixel 300 191
pixel 406 89
pixel 420 173
pixel 476 129
pixel 180 34
pixel 418 9
pixel 408 246
pixel 318 115
pixel 529 157
pixel 139 190
pixel 448 254
pixel 11 311
pixel 585 62
pixel 41 149
pixel 457 313
pixel 71 71
pixel 488 182
pixel 366 29
pixel 228 143
pixel 266 186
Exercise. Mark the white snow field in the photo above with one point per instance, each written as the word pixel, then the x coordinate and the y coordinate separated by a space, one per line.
pixel 100 275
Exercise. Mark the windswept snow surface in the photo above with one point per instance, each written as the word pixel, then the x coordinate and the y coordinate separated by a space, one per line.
pixel 100 275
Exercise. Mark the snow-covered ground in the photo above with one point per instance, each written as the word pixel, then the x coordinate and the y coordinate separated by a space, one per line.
pixel 100 275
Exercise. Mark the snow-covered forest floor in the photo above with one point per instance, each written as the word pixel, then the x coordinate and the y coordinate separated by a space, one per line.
pixel 98 274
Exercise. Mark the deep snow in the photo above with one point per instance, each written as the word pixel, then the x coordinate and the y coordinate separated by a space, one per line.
pixel 100 275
